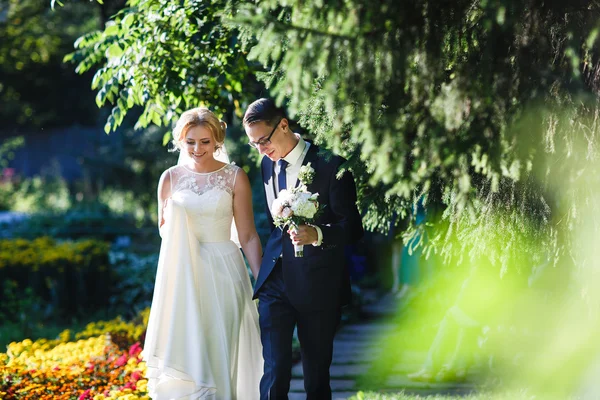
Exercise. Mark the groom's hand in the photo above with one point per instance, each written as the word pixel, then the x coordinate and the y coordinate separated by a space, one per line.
pixel 305 235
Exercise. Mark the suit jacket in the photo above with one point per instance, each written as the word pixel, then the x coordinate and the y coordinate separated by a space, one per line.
pixel 320 279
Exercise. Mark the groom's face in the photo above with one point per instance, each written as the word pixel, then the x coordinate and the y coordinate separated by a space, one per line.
pixel 259 132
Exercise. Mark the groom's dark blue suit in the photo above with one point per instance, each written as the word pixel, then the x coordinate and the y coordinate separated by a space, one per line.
pixel 308 291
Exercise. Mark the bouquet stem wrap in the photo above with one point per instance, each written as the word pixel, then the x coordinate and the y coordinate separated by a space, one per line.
pixel 298 248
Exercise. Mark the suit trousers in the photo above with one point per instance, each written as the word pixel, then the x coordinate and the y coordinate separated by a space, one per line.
pixel 316 330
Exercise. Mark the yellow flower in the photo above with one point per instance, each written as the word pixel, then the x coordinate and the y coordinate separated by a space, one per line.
pixel 142 385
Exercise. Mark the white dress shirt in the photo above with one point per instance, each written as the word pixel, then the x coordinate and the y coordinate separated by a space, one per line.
pixel 295 158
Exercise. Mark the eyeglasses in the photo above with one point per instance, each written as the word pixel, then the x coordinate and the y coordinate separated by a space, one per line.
pixel 264 141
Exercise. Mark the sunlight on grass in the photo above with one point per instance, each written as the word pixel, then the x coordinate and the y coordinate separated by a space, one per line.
pixel 479 396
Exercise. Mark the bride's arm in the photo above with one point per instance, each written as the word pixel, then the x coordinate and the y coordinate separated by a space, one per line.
pixel 164 192
pixel 244 221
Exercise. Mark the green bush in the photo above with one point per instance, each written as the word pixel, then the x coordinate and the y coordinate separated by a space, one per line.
pixel 90 220
pixel 70 277
pixel 37 194
pixel 134 277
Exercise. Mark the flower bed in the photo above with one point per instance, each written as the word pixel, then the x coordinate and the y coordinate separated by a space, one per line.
pixel 104 362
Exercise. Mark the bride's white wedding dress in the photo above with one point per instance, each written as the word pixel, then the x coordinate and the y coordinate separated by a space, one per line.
pixel 203 338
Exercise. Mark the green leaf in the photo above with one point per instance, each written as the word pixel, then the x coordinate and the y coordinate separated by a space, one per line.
pixel 114 51
pixel 96 80
pixel 68 58
pixel 112 29
pixel 118 115
pixel 592 38
pixel 101 97
pixel 129 98
pixel 128 20
pixel 501 15
pixel 166 138
pixel 54 2
pixel 141 122
pixel 156 119
pixel 110 124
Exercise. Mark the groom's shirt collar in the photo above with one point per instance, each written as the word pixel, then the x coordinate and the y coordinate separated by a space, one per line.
pixel 297 152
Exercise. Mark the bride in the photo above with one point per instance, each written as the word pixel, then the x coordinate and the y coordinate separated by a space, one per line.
pixel 203 338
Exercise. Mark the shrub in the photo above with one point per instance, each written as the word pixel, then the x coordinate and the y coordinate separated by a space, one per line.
pixel 134 277
pixel 37 194
pixel 69 276
pixel 90 220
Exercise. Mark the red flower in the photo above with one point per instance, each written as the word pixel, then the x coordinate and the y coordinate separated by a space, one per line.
pixel 136 376
pixel 135 349
pixel 86 395
pixel 121 361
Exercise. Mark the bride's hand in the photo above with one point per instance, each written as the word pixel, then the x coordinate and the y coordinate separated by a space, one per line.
pixel 162 219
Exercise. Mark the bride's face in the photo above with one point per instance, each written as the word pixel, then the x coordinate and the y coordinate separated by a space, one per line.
pixel 199 144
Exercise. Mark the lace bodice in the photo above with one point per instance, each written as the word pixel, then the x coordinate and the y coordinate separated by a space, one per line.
pixel 207 199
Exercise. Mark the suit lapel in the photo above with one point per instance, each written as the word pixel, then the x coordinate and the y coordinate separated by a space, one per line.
pixel 269 182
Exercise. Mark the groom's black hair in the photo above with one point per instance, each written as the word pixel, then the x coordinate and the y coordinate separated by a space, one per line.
pixel 263 110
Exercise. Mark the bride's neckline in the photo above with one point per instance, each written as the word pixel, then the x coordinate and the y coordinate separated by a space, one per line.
pixel 203 173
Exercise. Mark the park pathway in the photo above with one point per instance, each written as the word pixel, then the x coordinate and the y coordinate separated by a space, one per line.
pixel 356 348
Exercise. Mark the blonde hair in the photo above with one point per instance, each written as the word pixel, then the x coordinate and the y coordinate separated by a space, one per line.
pixel 199 116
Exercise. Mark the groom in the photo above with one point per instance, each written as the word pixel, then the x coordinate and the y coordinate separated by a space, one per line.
pixel 306 292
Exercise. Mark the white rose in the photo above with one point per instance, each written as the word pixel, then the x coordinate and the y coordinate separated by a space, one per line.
pixel 285 196
pixel 277 207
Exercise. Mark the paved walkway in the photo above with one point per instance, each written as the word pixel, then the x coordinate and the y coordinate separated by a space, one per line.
pixel 355 349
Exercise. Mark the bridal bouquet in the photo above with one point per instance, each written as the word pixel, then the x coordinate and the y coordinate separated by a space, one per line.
pixel 296 206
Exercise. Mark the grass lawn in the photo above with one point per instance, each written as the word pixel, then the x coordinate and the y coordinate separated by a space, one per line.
pixel 479 396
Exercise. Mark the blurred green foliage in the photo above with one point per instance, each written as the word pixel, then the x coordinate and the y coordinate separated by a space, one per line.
pixel 37 194
pixel 7 149
pixel 36 88
pixel 516 395
pixel 88 220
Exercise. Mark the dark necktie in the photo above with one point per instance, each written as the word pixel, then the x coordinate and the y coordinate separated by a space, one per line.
pixel 281 179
